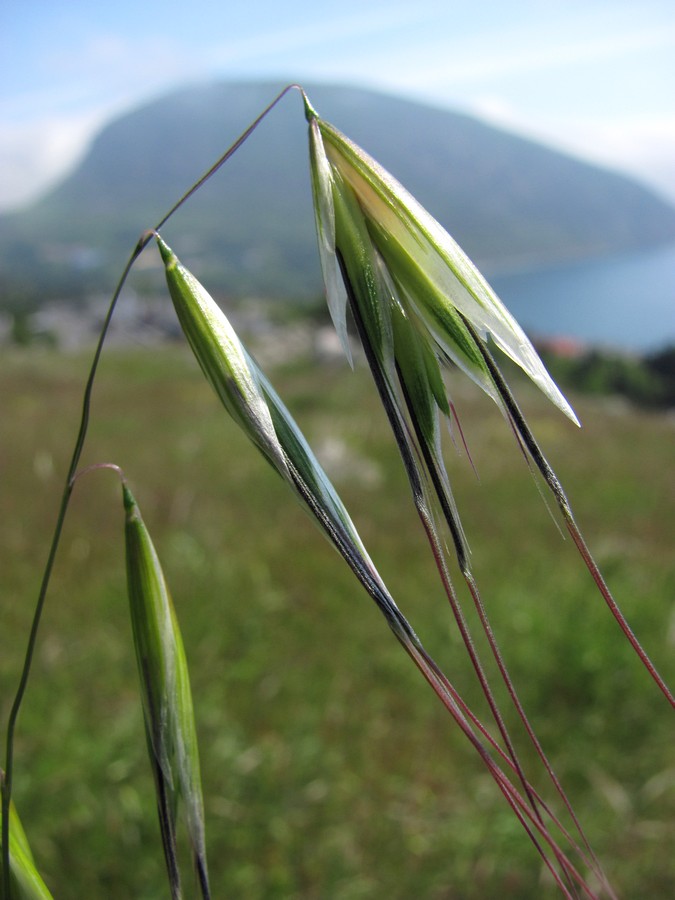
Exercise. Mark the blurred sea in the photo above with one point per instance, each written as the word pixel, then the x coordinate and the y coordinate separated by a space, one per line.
pixel 624 302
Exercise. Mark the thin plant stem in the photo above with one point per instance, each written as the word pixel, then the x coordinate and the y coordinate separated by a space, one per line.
pixel 453 703
pixel 409 449
pixel 228 153
pixel 7 781
pixel 518 804
pixel 96 467
pixel 39 607
pixel 491 638
pixel 440 489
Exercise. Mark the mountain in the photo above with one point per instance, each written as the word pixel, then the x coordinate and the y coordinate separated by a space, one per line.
pixel 250 230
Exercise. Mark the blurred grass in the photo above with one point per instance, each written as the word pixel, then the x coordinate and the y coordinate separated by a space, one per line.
pixel 330 769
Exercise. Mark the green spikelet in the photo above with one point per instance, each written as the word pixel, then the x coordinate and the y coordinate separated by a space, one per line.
pixel 167 700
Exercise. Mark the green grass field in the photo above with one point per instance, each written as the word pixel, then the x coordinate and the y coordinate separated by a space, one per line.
pixel 330 769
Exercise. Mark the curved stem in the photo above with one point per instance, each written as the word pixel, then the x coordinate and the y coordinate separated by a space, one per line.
pixel 529 818
pixel 6 784
pixel 228 153
pixel 37 615
pixel 439 485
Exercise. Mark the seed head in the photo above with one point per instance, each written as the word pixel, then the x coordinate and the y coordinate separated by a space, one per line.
pixel 165 689
pixel 362 212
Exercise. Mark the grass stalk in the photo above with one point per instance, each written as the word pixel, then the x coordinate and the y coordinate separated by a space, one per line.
pixel 49 566
pixel 252 402
pixel 369 232
pixel 7 782
pixel 411 451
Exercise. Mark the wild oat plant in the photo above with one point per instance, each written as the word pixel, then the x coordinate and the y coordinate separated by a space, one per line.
pixel 418 305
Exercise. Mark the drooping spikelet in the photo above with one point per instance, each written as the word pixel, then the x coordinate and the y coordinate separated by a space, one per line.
pixel 167 699
pixel 412 259
pixel 253 403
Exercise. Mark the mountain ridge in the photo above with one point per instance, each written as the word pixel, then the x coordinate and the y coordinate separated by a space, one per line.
pixel 251 229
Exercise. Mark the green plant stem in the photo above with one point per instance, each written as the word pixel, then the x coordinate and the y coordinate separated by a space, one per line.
pixel 6 785
pixel 228 153
pixel 37 615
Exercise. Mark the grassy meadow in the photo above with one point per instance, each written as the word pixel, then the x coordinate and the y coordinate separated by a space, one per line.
pixel 330 770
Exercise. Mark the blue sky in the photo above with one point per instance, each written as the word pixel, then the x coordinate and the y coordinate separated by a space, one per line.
pixel 595 77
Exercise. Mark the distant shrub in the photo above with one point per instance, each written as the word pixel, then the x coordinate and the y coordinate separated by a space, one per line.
pixel 662 367
pixel 647 381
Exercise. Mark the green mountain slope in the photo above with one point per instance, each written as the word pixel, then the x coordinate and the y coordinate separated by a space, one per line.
pixel 251 229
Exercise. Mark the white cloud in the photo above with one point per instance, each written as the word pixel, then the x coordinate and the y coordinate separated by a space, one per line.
pixel 109 74
pixel 643 146
pixel 516 76
pixel 532 54
pixel 310 33
pixel 46 129
pixel 640 145
pixel 34 155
